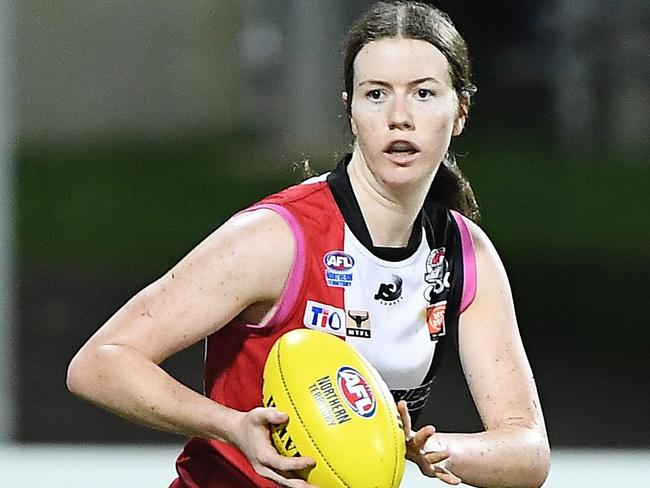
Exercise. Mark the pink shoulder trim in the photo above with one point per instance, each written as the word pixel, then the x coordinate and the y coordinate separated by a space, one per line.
pixel 469 262
pixel 287 300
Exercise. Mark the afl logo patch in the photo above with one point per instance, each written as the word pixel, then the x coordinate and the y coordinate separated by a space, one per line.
pixel 338 261
pixel 356 391
pixel 338 266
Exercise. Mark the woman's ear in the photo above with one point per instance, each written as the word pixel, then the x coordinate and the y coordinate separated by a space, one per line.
pixel 459 125
pixel 348 110
pixel 461 118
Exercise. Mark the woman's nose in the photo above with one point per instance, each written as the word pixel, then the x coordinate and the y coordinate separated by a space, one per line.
pixel 400 117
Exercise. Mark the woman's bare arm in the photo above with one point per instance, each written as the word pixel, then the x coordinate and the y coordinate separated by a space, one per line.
pixel 513 451
pixel 118 370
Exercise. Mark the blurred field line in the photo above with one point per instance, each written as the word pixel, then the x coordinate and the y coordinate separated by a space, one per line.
pixel 152 466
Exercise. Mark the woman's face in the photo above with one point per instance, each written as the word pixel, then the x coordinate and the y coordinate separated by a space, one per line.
pixel 404 110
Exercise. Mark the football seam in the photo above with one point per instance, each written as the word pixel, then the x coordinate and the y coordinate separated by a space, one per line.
pixel 303 423
pixel 388 413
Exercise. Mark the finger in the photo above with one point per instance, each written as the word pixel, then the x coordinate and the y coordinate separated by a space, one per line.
pixel 271 459
pixel 403 410
pixel 445 475
pixel 274 416
pixel 421 436
pixel 284 463
pixel 436 456
pixel 439 472
pixel 281 480
pixel 426 468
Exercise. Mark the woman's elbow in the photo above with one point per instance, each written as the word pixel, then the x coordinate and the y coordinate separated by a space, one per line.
pixel 541 463
pixel 78 374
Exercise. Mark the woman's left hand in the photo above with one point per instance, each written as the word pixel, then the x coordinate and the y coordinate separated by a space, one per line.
pixel 424 450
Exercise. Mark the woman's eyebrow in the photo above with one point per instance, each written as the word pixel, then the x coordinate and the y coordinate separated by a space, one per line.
pixel 410 83
pixel 423 80
pixel 374 82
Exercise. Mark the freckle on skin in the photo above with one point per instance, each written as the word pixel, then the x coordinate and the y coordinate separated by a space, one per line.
pixel 145 311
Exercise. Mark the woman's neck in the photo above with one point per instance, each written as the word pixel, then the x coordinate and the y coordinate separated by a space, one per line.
pixel 389 213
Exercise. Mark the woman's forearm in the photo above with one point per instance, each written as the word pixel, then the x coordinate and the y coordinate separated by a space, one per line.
pixel 122 380
pixel 510 456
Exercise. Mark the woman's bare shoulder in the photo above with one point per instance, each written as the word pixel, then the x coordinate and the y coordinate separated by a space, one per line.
pixel 244 262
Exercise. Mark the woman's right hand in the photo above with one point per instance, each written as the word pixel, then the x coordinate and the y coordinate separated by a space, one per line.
pixel 422 449
pixel 252 436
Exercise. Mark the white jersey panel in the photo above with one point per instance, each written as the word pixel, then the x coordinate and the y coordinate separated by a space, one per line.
pixel 386 306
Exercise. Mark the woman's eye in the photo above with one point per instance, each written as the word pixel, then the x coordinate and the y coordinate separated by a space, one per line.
pixel 375 95
pixel 424 93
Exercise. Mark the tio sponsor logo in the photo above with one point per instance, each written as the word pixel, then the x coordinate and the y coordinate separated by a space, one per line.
pixel 356 391
pixel 326 318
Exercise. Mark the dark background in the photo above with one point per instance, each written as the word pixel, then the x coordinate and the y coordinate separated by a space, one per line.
pixel 187 125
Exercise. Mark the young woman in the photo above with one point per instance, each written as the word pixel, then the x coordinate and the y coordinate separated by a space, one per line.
pixel 381 251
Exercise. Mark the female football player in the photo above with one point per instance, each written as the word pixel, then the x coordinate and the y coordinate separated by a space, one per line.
pixel 382 251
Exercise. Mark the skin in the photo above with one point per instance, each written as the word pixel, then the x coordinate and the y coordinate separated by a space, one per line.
pixel 402 92
pixel 118 368
pixel 391 102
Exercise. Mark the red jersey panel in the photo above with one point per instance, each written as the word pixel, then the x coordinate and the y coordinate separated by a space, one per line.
pixel 394 306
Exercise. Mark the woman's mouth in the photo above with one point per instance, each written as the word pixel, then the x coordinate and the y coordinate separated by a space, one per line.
pixel 401 152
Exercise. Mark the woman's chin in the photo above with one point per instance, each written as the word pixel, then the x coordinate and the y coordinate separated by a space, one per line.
pixel 406 177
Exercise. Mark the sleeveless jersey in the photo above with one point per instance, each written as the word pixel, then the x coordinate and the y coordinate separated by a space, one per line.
pixel 397 306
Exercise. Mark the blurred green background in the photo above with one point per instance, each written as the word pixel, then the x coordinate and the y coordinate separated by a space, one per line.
pixel 141 128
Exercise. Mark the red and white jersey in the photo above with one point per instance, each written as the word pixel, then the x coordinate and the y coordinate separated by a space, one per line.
pixel 397 306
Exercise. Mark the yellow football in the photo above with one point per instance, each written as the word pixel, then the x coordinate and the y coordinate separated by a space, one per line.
pixel 341 412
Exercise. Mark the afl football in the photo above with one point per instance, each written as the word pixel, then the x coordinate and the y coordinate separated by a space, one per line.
pixel 341 412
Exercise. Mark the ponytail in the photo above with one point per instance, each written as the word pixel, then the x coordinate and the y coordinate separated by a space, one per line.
pixel 451 189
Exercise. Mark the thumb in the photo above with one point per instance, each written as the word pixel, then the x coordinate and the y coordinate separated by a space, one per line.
pixel 275 417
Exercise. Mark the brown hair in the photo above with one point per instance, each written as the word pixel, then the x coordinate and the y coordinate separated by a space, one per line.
pixel 415 20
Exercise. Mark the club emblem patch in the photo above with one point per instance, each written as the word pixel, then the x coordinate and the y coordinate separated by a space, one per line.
pixel 435 315
pixel 436 273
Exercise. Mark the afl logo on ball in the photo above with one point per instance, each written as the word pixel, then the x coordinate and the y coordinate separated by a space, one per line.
pixel 356 391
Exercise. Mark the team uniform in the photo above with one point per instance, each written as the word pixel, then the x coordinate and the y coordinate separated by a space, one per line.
pixel 398 306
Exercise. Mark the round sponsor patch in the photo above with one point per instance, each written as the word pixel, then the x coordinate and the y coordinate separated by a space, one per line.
pixel 356 391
